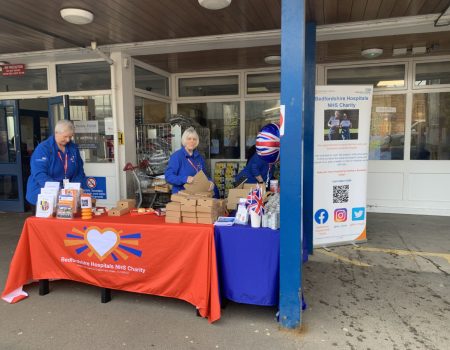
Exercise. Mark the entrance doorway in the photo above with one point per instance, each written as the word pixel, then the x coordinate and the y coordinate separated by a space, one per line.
pixel 23 125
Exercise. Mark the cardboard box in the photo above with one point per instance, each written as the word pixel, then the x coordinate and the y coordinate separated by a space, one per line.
pixel 126 203
pixel 189 220
pixel 207 202
pixel 208 194
pixel 173 213
pixel 207 215
pixel 184 193
pixel 199 184
pixel 190 201
pixel 173 206
pixel 118 211
pixel 190 208
pixel 233 197
pixel 206 220
pixel 177 197
pixel 201 209
pixel 173 219
pixel 188 214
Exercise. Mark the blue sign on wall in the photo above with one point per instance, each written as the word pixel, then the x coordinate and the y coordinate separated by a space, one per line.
pixel 96 186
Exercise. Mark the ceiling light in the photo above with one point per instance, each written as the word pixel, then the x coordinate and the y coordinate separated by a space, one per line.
pixel 77 16
pixel 214 4
pixel 272 59
pixel 419 50
pixel 371 53
pixel 403 51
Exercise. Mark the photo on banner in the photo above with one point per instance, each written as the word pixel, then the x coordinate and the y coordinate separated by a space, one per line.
pixel 341 152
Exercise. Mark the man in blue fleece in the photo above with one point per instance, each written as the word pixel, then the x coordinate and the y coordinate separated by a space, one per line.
pixel 55 159
pixel 185 163
pixel 257 170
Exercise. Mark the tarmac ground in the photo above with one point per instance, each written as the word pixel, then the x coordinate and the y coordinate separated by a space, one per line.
pixel 392 292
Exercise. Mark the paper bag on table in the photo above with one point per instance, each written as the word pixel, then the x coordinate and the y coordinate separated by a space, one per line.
pixel 200 183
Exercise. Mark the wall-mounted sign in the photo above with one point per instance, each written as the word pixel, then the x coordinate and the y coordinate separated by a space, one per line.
pixel 12 69
pixel 96 186
pixel 86 126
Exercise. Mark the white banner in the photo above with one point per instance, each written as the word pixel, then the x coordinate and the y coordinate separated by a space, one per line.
pixel 341 149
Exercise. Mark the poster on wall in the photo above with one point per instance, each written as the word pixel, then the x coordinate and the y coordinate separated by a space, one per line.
pixel 341 150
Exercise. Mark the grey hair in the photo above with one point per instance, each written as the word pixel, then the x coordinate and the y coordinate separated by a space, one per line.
pixel 189 132
pixel 64 126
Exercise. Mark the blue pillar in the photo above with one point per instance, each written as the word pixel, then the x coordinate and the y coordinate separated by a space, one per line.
pixel 308 148
pixel 292 68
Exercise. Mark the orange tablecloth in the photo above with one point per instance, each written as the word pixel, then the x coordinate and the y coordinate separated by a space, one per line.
pixel 132 253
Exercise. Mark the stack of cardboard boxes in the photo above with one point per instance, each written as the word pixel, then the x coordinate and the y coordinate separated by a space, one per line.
pixel 194 209
pixel 122 207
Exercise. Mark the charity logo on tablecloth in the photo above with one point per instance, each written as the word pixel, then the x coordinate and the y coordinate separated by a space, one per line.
pixel 103 242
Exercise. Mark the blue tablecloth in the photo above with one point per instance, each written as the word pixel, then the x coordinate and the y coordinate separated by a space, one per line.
pixel 248 262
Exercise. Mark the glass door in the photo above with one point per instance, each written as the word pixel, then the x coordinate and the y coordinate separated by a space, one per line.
pixel 11 185
pixel 58 109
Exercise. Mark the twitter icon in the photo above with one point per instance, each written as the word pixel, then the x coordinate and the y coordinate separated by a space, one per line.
pixel 358 214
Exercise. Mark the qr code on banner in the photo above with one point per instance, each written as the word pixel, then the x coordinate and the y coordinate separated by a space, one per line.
pixel 340 194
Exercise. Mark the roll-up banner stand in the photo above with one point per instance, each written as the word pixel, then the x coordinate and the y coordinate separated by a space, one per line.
pixel 341 150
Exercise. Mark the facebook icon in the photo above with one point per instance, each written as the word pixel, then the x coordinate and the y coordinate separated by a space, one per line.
pixel 321 216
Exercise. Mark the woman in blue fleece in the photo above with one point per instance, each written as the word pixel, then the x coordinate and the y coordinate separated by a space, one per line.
pixel 55 159
pixel 185 163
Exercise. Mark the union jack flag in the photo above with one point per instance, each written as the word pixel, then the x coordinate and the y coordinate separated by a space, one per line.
pixel 255 201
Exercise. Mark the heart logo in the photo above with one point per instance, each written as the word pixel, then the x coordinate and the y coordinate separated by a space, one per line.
pixel 102 242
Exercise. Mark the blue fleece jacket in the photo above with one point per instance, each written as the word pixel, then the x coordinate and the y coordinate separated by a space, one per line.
pixel 46 165
pixel 256 166
pixel 180 167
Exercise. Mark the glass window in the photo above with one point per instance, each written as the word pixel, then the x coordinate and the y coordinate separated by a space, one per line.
pixel 150 111
pixel 151 82
pixel 222 121
pixel 208 86
pixel 33 79
pixel 93 120
pixel 9 187
pixel 7 138
pixel 378 76
pixel 263 83
pixel 430 126
pixel 258 114
pixel 83 76
pixel 432 73
pixel 387 127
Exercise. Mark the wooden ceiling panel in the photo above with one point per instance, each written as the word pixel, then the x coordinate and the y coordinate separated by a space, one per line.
pixel 371 10
pixel 34 25
pixel 386 8
pixel 211 60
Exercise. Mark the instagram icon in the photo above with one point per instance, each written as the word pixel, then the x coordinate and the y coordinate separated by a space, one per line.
pixel 340 215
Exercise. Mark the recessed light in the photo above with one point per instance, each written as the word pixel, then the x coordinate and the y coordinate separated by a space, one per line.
pixel 272 59
pixel 77 16
pixel 371 53
pixel 214 4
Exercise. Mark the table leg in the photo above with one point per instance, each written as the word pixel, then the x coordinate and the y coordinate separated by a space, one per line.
pixel 44 287
pixel 105 295
pixel 223 303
